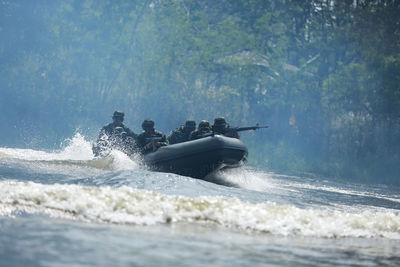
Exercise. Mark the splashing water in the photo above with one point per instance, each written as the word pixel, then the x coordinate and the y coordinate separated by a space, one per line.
pixel 126 205
pixel 248 179
pixel 78 151
pixel 121 161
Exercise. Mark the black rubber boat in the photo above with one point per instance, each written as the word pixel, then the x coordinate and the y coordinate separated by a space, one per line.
pixel 198 158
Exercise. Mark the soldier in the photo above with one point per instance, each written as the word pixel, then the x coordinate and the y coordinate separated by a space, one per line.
pixel 150 140
pixel 182 134
pixel 221 127
pixel 203 130
pixel 118 118
pixel 104 142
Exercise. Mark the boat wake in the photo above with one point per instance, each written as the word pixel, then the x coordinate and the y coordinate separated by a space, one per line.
pixel 126 205
pixel 243 177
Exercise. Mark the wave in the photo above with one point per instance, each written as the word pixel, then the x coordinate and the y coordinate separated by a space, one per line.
pixel 125 205
pixel 77 148
pixel 77 152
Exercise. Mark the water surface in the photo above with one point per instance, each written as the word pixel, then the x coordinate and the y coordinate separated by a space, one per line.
pixel 65 208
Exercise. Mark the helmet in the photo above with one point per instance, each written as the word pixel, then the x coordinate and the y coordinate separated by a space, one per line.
pixel 118 114
pixel 147 124
pixel 190 124
pixel 220 121
pixel 204 124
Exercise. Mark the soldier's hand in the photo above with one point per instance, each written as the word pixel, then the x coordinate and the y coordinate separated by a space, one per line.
pixel 157 144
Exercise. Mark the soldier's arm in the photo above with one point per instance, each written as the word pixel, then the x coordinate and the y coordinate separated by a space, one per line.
pixel 164 140
pixel 191 135
pixel 172 138
pixel 194 135
pixel 130 133
pixel 169 138
pixel 139 141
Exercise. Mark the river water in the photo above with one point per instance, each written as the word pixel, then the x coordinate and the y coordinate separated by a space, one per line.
pixel 63 208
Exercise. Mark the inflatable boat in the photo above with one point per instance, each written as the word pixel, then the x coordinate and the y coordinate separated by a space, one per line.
pixel 198 158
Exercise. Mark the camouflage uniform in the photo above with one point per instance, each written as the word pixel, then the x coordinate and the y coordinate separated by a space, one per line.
pixel 110 132
pixel 182 134
pixel 122 142
pixel 119 140
pixel 144 139
pixel 221 127
pixel 203 130
pixel 109 129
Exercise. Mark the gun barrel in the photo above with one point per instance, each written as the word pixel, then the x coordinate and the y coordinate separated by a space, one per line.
pixel 239 129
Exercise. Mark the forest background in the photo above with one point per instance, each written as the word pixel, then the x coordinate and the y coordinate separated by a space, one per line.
pixel 323 74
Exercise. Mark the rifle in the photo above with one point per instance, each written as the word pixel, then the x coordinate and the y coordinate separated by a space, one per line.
pixel 153 141
pixel 240 129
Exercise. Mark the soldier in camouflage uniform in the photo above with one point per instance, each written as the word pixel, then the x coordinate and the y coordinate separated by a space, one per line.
pixel 104 141
pixel 118 118
pixel 203 130
pixel 150 139
pixel 182 133
pixel 221 127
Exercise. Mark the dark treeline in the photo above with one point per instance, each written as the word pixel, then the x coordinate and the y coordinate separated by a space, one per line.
pixel 323 74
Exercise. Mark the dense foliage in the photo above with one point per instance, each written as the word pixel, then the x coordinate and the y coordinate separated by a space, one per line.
pixel 323 74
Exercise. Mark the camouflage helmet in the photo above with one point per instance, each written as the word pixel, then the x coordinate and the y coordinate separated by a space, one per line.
pixel 118 114
pixel 204 124
pixel 220 121
pixel 147 124
pixel 191 124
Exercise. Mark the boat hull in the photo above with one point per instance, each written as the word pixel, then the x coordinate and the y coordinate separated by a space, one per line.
pixel 198 158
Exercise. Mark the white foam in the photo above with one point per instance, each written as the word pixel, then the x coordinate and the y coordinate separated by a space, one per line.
pixel 78 151
pixel 126 205
pixel 249 179
pixel 121 161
